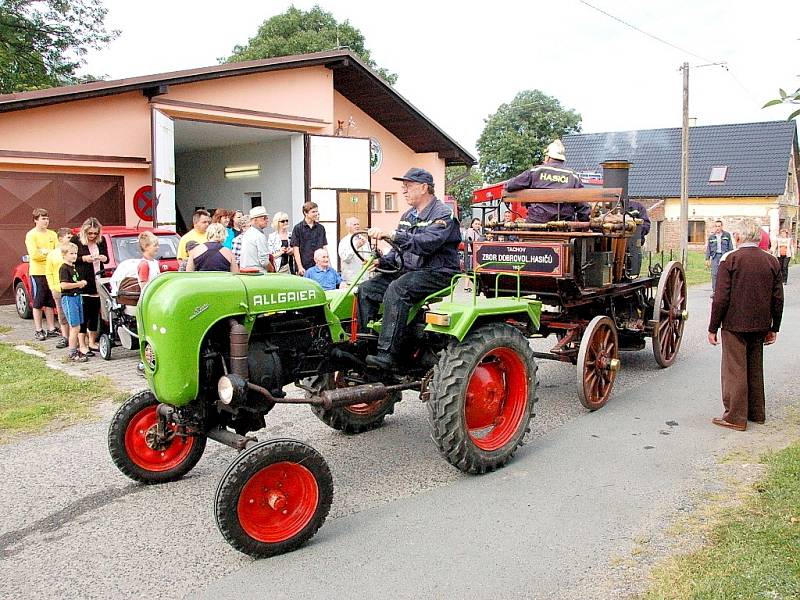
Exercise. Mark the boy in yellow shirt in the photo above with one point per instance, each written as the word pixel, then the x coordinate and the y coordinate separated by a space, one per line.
pixel 53 263
pixel 39 242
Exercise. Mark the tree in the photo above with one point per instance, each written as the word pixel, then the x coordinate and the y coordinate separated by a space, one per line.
pixel 460 183
pixel 43 42
pixel 299 32
pixel 786 99
pixel 515 136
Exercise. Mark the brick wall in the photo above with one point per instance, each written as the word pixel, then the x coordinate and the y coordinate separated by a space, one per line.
pixel 671 228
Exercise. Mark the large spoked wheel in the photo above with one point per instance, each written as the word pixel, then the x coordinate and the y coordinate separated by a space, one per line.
pixel 374 252
pixel 355 418
pixel 598 362
pixel 481 398
pixel 22 302
pixel 669 314
pixel 136 449
pixel 273 498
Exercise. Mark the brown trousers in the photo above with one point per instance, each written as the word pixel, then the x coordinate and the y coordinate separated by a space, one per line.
pixel 743 376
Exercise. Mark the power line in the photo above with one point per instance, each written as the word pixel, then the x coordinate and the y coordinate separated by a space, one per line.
pixel 650 35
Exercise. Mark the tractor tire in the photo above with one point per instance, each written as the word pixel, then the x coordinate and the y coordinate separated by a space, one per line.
pixel 133 453
pixel 355 418
pixel 22 302
pixel 481 398
pixel 273 498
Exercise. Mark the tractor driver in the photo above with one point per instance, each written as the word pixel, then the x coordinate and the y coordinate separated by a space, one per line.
pixel 429 235
pixel 552 174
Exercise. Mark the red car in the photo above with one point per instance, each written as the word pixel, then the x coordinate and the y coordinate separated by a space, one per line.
pixel 122 243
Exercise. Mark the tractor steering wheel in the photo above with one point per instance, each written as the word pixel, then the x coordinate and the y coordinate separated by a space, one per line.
pixel 375 253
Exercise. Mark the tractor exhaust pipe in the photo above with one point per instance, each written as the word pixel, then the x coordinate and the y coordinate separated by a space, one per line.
pixel 347 396
pixel 239 341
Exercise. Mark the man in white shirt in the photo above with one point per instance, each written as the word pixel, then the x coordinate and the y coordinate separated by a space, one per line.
pixel 255 253
pixel 351 264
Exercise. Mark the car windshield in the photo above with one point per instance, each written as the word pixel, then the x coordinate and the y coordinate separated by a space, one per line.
pixel 126 247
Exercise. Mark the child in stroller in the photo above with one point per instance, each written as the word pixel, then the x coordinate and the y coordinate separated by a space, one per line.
pixel 119 295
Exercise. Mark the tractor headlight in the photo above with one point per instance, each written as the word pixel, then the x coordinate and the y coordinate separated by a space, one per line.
pixel 232 389
pixel 432 318
pixel 149 356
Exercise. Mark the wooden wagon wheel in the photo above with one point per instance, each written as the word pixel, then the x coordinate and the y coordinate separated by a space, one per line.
pixel 598 362
pixel 669 314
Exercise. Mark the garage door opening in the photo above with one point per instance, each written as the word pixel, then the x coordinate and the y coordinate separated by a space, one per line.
pixel 199 164
pixel 236 168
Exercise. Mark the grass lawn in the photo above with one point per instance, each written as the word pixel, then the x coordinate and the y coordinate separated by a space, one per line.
pixel 33 396
pixel 696 271
pixel 754 550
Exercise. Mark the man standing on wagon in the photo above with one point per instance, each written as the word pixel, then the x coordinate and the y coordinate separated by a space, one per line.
pixel 552 174
pixel 429 236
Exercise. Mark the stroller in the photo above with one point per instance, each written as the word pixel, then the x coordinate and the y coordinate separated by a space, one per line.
pixel 119 296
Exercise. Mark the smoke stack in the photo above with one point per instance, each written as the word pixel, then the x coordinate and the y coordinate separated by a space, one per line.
pixel 615 175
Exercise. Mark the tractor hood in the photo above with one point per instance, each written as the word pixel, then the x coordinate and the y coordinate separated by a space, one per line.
pixel 270 292
pixel 177 310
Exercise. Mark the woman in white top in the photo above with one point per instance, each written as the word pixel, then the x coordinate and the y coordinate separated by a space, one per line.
pixel 783 250
pixel 278 243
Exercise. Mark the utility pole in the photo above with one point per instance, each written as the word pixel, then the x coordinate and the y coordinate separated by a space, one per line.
pixel 684 223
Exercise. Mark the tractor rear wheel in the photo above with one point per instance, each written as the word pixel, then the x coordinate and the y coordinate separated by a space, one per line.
pixel 273 498
pixel 481 398
pixel 137 452
pixel 355 418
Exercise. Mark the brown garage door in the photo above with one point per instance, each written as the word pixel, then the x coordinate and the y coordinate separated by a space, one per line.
pixel 69 199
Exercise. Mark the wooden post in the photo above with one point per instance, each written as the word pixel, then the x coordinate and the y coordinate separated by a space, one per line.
pixel 684 223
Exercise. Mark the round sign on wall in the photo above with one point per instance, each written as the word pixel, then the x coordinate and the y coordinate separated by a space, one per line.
pixel 375 155
pixel 143 204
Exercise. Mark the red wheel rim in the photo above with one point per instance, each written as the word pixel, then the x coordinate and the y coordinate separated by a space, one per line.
pixel 140 449
pixel 278 502
pixel 496 397
pixel 366 409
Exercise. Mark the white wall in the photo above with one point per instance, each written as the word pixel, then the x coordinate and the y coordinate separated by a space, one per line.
pixel 201 177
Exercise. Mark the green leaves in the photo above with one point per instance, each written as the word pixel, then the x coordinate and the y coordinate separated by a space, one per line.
pixel 785 98
pixel 460 183
pixel 43 42
pixel 516 135
pixel 298 32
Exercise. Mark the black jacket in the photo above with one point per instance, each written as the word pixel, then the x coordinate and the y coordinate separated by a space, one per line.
pixel 86 270
pixel 429 240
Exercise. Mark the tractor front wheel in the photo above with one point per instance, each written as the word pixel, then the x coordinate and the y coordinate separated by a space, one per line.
pixel 136 450
pixel 481 398
pixel 273 498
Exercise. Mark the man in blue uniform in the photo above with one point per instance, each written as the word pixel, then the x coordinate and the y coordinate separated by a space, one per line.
pixel 429 235
pixel 719 243
pixel 552 174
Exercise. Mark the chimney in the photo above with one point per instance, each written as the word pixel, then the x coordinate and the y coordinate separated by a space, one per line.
pixel 615 175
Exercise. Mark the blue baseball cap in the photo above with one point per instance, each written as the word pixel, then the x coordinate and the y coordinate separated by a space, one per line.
pixel 416 175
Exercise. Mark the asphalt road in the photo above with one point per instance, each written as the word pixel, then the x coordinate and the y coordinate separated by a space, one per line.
pixel 404 523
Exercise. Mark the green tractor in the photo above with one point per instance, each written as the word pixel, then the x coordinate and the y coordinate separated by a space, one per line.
pixel 220 349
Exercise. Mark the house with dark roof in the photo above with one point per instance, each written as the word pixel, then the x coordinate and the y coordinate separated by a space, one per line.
pixel 735 171
pixel 276 132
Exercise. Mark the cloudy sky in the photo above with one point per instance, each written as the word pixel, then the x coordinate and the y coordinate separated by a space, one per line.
pixel 458 61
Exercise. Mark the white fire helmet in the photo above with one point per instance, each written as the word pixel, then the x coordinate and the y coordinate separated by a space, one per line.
pixel 556 150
